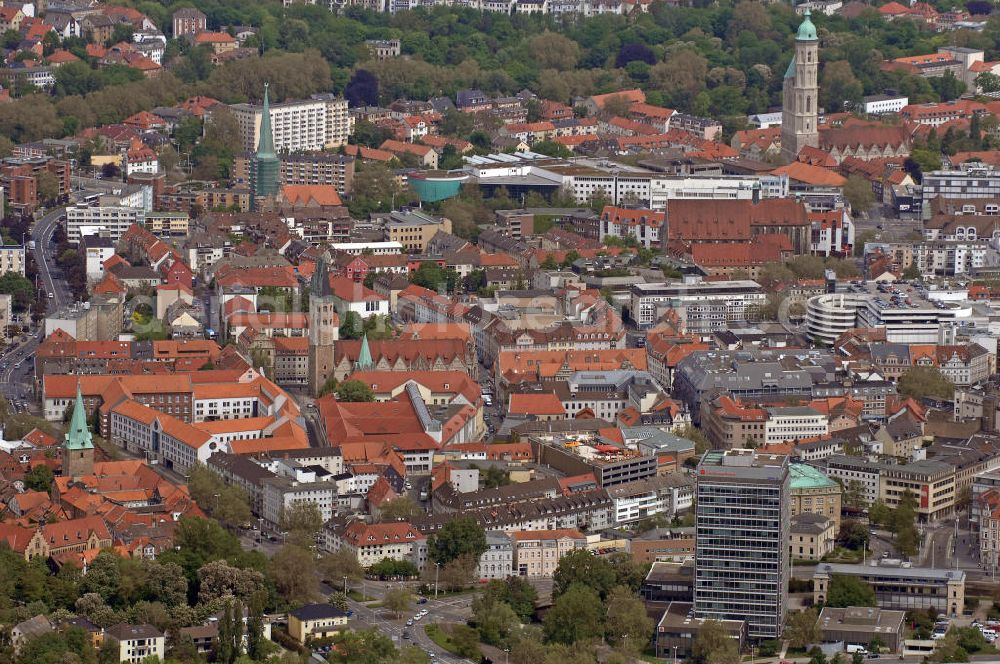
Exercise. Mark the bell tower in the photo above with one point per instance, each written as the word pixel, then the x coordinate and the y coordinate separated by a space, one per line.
pixel 78 443
pixel 323 326
pixel 800 100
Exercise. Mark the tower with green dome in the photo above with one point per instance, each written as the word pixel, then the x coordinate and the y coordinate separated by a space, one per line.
pixel 800 103
pixel 266 165
pixel 78 443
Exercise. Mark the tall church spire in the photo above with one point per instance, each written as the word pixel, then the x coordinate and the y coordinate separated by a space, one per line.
pixel 365 362
pixel 264 178
pixel 78 436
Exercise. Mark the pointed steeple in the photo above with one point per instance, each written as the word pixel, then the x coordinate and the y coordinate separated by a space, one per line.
pixel 265 146
pixel 365 362
pixel 78 436
pixel 320 285
pixel 266 165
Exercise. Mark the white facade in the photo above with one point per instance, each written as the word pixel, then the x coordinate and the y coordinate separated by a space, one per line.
pixel 95 261
pixel 882 104
pixel 794 423
pixel 109 220
pixel 374 248
pixel 297 126
pixel 707 305
pixel 280 494
pixel 497 562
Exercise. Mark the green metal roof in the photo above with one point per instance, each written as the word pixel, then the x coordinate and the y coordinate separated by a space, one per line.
pixel 807 31
pixel 805 476
pixel 78 436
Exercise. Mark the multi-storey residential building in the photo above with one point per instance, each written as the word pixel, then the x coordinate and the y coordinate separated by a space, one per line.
pixel 646 226
pixel 705 305
pixel 303 125
pixel 930 483
pixel 742 561
pixel 973 180
pixel 322 168
pixel 280 494
pixel 537 552
pixel 414 229
pixel 791 423
pixel 136 642
pixel 109 220
pixel 370 543
pixel 12 259
pixel 497 562
pixel 188 22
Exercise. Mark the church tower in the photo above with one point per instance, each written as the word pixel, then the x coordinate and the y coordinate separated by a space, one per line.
pixel 265 168
pixel 799 112
pixel 78 444
pixel 323 326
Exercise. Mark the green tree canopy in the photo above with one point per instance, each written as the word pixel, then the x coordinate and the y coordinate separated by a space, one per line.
pixel 849 591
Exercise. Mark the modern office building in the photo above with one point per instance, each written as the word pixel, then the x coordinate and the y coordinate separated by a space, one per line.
pixel 742 559
pixel 900 588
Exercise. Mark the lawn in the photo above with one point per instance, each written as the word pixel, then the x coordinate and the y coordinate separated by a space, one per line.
pixel 437 634
pixel 358 597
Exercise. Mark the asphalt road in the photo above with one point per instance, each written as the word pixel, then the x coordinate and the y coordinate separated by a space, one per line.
pixel 17 362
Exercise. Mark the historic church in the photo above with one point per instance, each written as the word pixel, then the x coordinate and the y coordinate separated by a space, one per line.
pixel 800 102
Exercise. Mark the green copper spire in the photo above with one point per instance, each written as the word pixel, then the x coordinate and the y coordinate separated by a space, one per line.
pixel 365 362
pixel 78 436
pixel 264 182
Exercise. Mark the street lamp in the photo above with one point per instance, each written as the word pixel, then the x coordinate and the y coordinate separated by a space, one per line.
pixel 675 654
pixel 506 652
pixel 437 569
pixel 345 587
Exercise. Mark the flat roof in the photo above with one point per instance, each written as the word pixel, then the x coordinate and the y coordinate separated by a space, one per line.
pixel 913 573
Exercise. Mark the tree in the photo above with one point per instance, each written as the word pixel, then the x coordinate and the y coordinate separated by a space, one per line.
pixel 39 478
pixel 333 567
pixel 626 625
pixel 575 616
pixel 911 272
pixel 302 521
pixel 352 326
pixel 432 276
pixel 849 591
pixel 354 391
pixel 514 591
pixel 552 149
pixel 634 52
pixel 255 626
pixel 713 645
pixel 293 571
pixel 229 644
pixel 219 579
pixel 858 192
pixel 494 619
pixel 988 82
pixel 853 534
pixel 389 568
pixel 362 89
pixel 583 567
pixel 397 601
pixel 802 628
pixel 839 88
pixel 401 508
pixel 879 513
pixel 228 504
pixel 368 646
pixel 920 382
pixel 692 433
pixel 461 536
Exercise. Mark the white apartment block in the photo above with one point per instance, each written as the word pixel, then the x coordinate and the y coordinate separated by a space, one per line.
pixel 785 424
pixel 706 305
pixel 12 259
pixel 497 562
pixel 281 493
pixel 109 220
pixel 304 125
pixel 882 104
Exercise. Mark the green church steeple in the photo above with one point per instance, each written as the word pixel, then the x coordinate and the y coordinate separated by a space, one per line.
pixel 78 436
pixel 265 164
pixel 365 362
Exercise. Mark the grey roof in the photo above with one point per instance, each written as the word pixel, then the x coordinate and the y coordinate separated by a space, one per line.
pixel 317 611
pixel 861 618
pixel 125 632
pixel 914 573
pixel 640 487
pixel 34 626
pixel 240 466
pixel 809 522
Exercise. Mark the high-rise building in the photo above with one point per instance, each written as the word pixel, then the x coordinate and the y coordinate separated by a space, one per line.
pixel 799 111
pixel 264 175
pixel 742 560
pixel 298 125
pixel 323 326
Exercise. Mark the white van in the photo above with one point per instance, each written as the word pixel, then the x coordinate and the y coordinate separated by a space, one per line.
pixel 853 648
